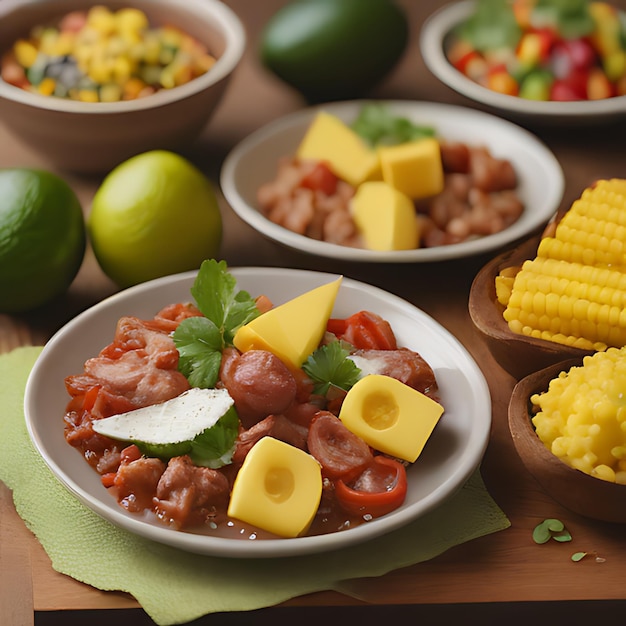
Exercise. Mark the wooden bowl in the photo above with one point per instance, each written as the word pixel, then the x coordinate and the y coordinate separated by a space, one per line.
pixel 579 492
pixel 517 354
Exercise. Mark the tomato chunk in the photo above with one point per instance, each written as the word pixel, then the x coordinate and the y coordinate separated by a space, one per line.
pixel 321 178
pixel 365 331
pixel 380 489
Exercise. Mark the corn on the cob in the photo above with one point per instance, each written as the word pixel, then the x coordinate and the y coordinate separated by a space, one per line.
pixel 574 291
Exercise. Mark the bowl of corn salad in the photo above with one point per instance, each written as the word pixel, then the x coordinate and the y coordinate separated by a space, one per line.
pixel 558 62
pixel 562 295
pixel 88 84
pixel 566 422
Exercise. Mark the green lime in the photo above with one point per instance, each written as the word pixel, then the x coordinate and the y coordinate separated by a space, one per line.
pixel 42 238
pixel 155 214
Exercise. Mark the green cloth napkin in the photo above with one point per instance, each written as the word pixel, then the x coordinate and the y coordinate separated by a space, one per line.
pixel 175 587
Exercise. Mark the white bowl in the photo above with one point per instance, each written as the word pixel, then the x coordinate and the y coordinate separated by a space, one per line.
pixel 254 162
pixel 94 136
pixel 434 38
pixel 451 455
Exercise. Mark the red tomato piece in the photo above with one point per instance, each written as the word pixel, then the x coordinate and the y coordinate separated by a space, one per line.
pixel 568 90
pixel 321 178
pixel 365 331
pixel 379 490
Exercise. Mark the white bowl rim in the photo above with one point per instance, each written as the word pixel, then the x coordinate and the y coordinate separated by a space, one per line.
pixel 222 15
pixel 252 216
pixel 436 28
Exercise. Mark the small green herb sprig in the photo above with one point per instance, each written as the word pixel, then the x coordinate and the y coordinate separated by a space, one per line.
pixel 377 126
pixel 329 366
pixel 201 340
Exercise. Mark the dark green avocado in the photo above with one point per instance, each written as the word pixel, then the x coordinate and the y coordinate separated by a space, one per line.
pixel 334 49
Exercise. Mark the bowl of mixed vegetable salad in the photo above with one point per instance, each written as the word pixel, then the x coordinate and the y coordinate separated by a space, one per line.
pixel 182 343
pixel 88 85
pixel 452 181
pixel 564 61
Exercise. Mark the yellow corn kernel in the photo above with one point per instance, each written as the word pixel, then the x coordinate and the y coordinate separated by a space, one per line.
pixel 48 41
pixel 25 53
pixel 122 69
pixel 88 95
pixel 504 286
pixel 64 44
pixel 131 20
pixel 101 19
pixel 110 93
pixel 47 86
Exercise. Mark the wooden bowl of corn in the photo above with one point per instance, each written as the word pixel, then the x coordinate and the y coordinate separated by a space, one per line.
pixel 582 463
pixel 560 296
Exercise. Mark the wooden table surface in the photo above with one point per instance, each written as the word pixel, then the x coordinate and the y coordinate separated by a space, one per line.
pixel 483 581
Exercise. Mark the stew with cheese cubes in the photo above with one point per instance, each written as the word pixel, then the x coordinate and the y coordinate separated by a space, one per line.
pixel 362 186
pixel 202 418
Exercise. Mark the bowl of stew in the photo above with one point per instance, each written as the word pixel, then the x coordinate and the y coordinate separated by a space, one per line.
pixel 88 87
pixel 451 454
pixel 491 166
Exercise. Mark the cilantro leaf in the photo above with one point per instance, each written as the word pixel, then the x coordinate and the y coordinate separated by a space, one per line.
pixel 378 126
pixel 329 366
pixel 214 447
pixel 200 340
pixel 570 18
pixel 215 292
pixel 199 344
pixel 493 25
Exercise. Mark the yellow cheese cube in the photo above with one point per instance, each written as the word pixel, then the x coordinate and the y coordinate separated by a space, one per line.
pixel 415 167
pixel 293 330
pixel 390 416
pixel 329 139
pixel 385 217
pixel 278 488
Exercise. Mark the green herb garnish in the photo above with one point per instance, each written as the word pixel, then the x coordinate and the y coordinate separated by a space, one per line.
pixel 570 18
pixel 329 366
pixel 199 340
pixel 378 126
pixel 213 447
pixel 492 26
pixel 551 529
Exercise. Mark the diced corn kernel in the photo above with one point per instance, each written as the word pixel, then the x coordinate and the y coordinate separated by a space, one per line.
pixel 101 19
pixel 46 86
pixel 580 416
pixel 25 53
pixel 110 93
pixel 88 95
pixel 131 20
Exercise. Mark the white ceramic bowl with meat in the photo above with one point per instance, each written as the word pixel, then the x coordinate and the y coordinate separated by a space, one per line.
pixel 84 356
pixel 501 183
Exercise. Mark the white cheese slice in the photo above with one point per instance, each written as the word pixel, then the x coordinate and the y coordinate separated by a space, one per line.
pixel 368 366
pixel 173 421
